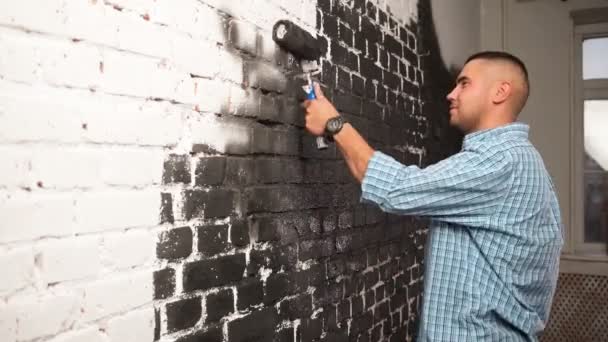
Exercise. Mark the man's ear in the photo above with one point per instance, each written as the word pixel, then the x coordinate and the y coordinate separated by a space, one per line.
pixel 502 92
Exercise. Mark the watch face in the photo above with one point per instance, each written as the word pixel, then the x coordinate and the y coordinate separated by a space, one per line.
pixel 333 125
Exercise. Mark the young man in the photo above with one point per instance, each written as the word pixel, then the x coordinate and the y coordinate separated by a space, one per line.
pixel 495 237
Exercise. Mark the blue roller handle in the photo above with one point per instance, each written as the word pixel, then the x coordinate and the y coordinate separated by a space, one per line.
pixel 310 95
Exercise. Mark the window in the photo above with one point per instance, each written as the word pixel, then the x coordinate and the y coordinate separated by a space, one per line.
pixel 588 235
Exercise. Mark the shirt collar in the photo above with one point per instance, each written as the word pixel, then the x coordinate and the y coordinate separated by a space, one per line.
pixel 515 129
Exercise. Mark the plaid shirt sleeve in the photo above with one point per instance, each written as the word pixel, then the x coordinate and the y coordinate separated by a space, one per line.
pixel 464 189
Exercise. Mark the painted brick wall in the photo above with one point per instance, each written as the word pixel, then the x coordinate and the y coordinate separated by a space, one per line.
pixel 157 183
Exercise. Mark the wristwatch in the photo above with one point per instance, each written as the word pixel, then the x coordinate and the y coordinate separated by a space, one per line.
pixel 334 125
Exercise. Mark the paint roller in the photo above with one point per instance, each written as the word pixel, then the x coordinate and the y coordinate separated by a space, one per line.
pixel 306 48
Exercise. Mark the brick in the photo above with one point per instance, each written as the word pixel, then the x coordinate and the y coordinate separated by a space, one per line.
pixel 410 56
pixel 242 102
pixel 174 244
pixel 176 169
pixel 330 26
pixel 239 233
pixel 220 135
pixel 239 171
pixel 297 307
pixel 92 334
pixel 213 334
pixel 286 142
pixel 343 243
pixel 343 310
pixel 249 293
pixel 370 31
pixel 202 275
pixel 219 304
pixel 325 6
pixel 262 141
pixel 381 94
pixel 108 118
pixel 115 294
pixel 127 249
pixel 91 167
pixel 268 170
pixel 213 240
pixel 265 76
pixel 266 48
pixel 392 45
pixel 356 305
pixel 277 286
pixel 257 326
pixel 347 103
pixel 275 258
pixel 45 315
pixel 329 74
pixel 59 264
pixel 210 171
pixel 242 36
pixel 166 208
pixel 344 80
pixel 290 112
pixel 361 323
pixel 274 199
pixel 164 283
pixel 90 219
pixel 370 70
pixel 347 15
pixel 338 53
pixel 394 64
pixel 183 314
pixel 132 326
pixel 274 229
pixel 358 85
pixel 351 61
pixel 310 329
pixel 18 268
pixel 335 267
pixel 270 109
pixel 285 335
pixel 208 204
pixel 346 35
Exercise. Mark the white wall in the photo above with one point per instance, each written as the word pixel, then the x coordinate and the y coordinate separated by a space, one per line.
pixel 540 32
pixel 457 24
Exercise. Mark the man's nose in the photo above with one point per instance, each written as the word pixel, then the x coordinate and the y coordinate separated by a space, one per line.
pixel 450 97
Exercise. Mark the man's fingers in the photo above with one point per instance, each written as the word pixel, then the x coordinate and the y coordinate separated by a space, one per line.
pixel 318 91
pixel 305 104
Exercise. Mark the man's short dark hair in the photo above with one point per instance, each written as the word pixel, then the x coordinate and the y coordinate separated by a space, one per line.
pixel 509 58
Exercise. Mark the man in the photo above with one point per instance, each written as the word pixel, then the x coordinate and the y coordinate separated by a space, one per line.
pixel 495 237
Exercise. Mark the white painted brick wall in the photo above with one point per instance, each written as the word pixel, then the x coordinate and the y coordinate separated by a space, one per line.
pixel 91 334
pixel 134 326
pixel 18 268
pixel 68 259
pixel 122 250
pixel 116 294
pixel 94 96
pixel 47 315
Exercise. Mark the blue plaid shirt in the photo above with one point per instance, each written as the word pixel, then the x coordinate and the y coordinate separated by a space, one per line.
pixel 494 242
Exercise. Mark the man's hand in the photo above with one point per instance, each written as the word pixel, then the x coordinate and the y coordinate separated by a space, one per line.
pixel 318 112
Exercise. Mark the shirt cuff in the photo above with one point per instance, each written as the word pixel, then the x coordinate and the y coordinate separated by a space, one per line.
pixel 379 178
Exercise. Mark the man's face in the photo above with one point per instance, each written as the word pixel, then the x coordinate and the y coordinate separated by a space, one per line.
pixel 470 97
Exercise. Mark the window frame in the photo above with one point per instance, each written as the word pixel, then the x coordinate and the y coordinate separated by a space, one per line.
pixel 580 256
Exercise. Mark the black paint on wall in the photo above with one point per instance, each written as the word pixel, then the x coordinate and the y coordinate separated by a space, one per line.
pixel 295 256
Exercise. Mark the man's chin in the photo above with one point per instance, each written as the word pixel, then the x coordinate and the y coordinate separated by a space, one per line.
pixel 455 124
